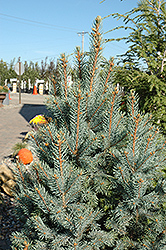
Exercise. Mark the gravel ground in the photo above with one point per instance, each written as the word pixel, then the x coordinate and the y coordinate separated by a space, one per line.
pixel 8 221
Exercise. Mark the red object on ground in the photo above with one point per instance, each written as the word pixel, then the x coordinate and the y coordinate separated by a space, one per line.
pixel 25 156
pixel 9 96
pixel 34 90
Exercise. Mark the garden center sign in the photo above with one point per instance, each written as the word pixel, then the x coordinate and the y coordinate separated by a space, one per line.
pixel 19 68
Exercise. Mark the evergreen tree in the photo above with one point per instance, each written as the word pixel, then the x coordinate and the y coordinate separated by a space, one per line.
pixel 53 201
pixel 96 182
pixel 144 62
pixel 139 218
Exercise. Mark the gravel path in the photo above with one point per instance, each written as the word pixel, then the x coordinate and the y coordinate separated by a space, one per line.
pixel 14 124
pixel 14 120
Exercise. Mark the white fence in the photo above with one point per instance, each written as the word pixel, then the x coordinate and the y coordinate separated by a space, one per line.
pixel 42 86
pixel 27 87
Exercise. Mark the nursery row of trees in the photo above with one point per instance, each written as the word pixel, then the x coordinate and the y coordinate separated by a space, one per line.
pixel 32 70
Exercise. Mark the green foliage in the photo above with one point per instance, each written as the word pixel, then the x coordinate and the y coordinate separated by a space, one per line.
pixel 32 72
pixel 98 182
pixel 16 148
pixel 4 89
pixel 151 91
pixel 139 217
pixel 147 24
pixel 6 71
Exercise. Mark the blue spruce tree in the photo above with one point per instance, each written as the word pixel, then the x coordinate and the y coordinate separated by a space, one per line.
pixel 97 183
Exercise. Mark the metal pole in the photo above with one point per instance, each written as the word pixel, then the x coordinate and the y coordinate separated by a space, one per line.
pixel 19 82
pixel 83 42
pixel 82 33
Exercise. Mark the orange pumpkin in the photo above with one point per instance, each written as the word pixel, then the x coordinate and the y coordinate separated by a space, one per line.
pixel 25 156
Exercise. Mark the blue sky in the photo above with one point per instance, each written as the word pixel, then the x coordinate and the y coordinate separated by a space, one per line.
pixel 35 29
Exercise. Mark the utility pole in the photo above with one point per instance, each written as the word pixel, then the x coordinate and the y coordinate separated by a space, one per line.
pixel 82 33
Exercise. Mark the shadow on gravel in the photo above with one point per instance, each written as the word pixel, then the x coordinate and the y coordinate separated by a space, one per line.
pixel 28 111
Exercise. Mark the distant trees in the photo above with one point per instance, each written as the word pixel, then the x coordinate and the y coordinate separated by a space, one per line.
pixel 6 71
pixel 32 70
